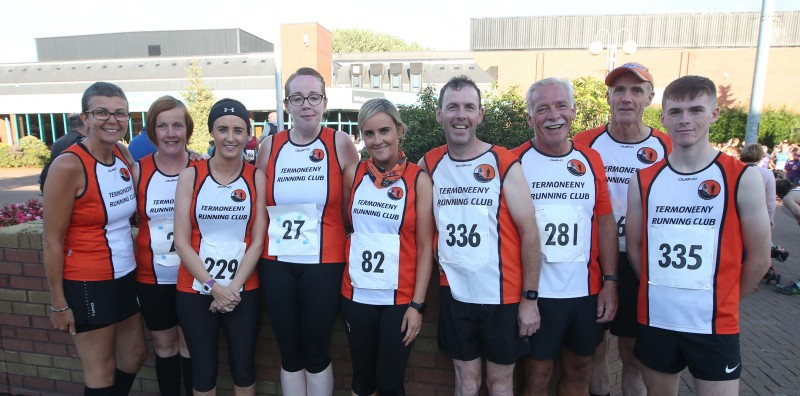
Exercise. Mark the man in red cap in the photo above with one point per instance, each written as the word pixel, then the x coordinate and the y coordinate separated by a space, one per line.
pixel 625 145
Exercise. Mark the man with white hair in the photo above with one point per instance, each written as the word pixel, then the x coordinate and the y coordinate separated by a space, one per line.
pixel 568 189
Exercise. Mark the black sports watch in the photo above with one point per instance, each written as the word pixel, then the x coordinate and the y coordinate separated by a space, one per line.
pixel 532 295
pixel 612 278
pixel 420 307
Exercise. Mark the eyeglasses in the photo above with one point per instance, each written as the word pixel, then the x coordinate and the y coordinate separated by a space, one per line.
pixel 313 99
pixel 103 115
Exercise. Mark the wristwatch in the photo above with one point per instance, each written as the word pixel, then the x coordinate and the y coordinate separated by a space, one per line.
pixel 532 295
pixel 612 278
pixel 420 307
pixel 209 285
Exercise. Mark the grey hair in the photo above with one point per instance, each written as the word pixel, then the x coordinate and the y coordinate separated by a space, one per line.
pixel 566 84
pixel 101 88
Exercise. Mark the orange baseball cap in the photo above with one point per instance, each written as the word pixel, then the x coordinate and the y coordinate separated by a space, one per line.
pixel 637 69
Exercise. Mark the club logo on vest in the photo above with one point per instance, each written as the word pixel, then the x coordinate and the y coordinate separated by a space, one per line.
pixel 395 193
pixel 646 155
pixel 709 189
pixel 576 167
pixel 238 195
pixel 483 173
pixel 317 155
pixel 125 174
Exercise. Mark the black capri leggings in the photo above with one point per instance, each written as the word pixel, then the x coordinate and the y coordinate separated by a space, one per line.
pixel 201 330
pixel 302 303
pixel 376 345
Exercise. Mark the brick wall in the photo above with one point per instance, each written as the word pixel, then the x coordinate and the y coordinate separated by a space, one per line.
pixel 37 360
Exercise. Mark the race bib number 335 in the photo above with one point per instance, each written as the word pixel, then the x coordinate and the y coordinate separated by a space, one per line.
pixel 681 256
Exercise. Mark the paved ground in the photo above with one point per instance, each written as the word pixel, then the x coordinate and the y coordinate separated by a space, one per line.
pixel 770 322
pixel 19 185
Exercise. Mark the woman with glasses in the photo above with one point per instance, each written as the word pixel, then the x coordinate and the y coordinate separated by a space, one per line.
pixel 301 267
pixel 169 127
pixel 389 203
pixel 220 221
pixel 89 198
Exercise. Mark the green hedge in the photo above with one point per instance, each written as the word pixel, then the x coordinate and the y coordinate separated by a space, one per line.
pixel 31 152
pixel 504 120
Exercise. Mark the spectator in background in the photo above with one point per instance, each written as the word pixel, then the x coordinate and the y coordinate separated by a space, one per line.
pixel 251 149
pixel 791 203
pixel 272 124
pixel 141 146
pixel 792 168
pixel 752 154
pixel 76 133
pixel 765 161
pixel 779 157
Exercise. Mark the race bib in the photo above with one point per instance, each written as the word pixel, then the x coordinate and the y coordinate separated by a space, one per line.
pixel 620 209
pixel 374 260
pixel 463 235
pixel 681 256
pixel 250 155
pixel 561 230
pixel 221 260
pixel 293 230
pixel 162 243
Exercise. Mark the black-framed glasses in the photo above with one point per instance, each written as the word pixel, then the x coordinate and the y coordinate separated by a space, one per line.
pixel 103 115
pixel 313 99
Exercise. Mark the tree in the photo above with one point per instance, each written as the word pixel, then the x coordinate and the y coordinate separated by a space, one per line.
pixel 652 118
pixel 504 118
pixel 422 131
pixel 725 97
pixel 199 98
pixel 361 40
pixel 591 104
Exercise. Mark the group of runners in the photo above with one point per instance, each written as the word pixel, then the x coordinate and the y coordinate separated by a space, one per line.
pixel 539 249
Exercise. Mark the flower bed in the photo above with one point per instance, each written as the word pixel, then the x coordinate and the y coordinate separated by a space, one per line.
pixel 19 213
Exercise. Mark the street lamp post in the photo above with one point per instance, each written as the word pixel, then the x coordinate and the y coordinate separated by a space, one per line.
pixel 612 42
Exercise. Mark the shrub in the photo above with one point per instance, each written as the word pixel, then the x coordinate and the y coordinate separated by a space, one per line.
pixel 504 121
pixel 19 213
pixel 34 152
pixel 30 152
pixel 591 105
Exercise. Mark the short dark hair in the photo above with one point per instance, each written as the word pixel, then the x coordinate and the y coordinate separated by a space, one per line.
pixel 101 88
pixel 783 186
pixel 456 83
pixel 162 104
pixel 74 122
pixel 690 87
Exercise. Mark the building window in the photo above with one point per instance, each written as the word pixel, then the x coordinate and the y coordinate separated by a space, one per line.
pixel 416 82
pixel 376 81
pixel 153 50
pixel 357 81
pixel 395 81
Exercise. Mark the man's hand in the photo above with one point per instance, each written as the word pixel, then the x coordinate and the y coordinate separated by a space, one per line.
pixel 607 302
pixel 528 317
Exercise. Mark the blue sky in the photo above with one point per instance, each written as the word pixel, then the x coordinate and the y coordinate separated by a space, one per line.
pixel 440 25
